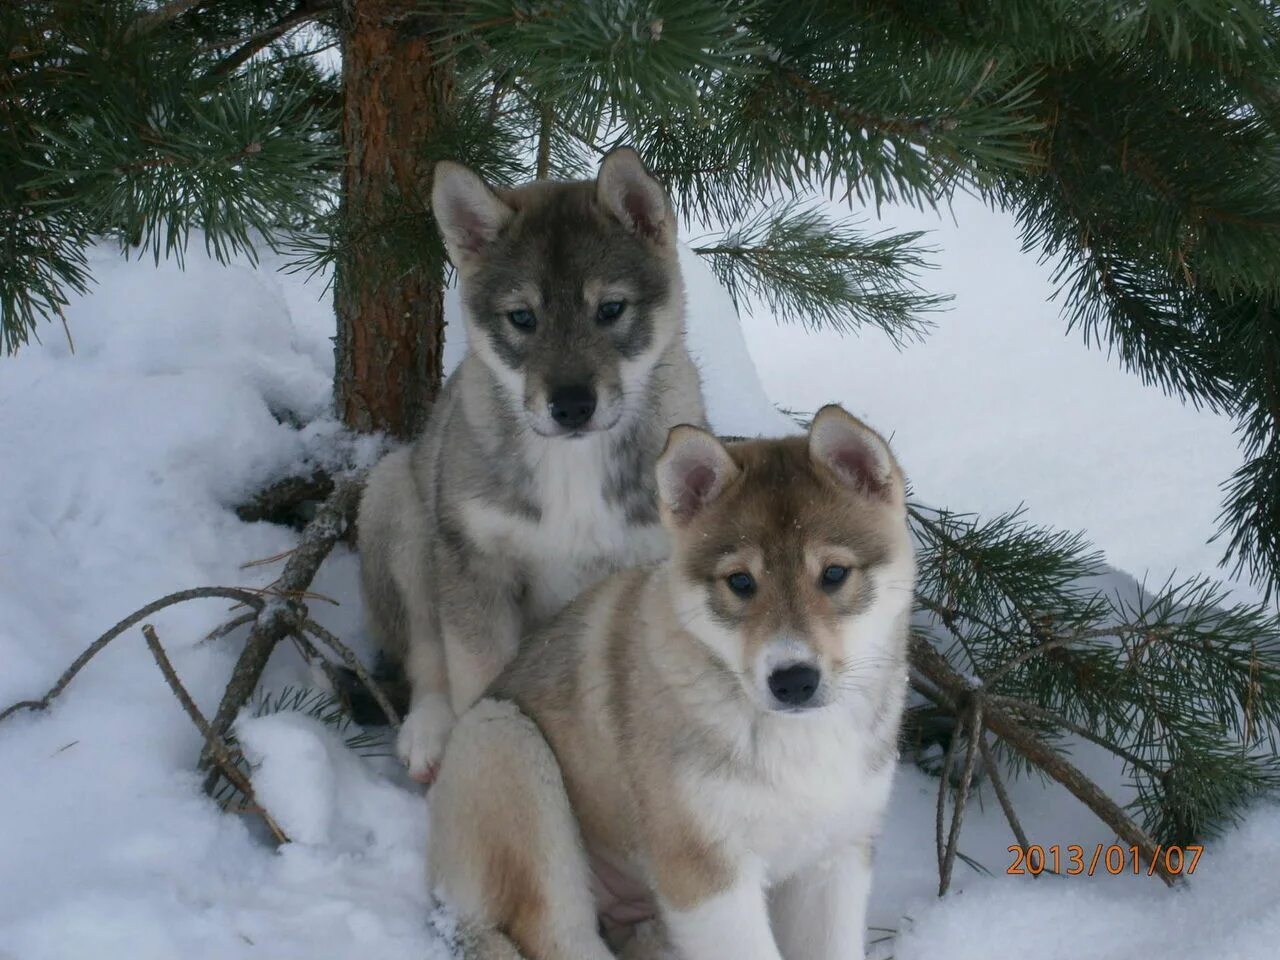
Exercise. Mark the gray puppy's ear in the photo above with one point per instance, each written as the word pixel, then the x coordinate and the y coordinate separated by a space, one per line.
pixel 692 471
pixel 469 214
pixel 632 197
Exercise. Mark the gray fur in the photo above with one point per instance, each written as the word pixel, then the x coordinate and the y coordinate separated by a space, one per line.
pixel 495 518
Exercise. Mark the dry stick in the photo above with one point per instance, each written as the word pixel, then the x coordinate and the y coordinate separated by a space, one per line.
pixel 962 794
pixel 1002 795
pixel 182 596
pixel 304 12
pixel 162 15
pixel 311 654
pixel 544 143
pixel 221 754
pixel 954 688
pixel 220 631
pixel 264 561
pixel 353 663
pixel 943 783
pixel 277 620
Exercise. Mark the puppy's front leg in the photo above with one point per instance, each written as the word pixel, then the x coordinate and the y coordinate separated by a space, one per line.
pixel 450 661
pixel 480 639
pixel 821 913
pixel 733 922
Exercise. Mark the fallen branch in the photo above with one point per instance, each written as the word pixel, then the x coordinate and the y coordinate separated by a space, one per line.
pixel 245 596
pixel 955 692
pixel 279 618
pixel 217 748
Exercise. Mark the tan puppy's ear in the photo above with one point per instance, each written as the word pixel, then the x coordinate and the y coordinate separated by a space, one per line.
pixel 632 197
pixel 470 215
pixel 693 470
pixel 856 454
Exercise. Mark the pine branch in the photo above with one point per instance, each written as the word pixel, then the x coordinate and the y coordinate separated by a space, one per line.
pixel 821 273
pixel 1170 682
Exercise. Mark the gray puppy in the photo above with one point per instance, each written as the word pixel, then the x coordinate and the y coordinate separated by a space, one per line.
pixel 534 476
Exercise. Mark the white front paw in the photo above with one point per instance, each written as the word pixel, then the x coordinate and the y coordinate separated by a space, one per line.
pixel 423 735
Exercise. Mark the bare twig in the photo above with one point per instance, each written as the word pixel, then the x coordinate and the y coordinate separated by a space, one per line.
pixel 544 142
pixel 265 561
pixel 162 15
pixel 182 596
pixel 278 620
pixel 962 793
pixel 304 12
pixel 220 631
pixel 274 589
pixel 66 328
pixel 353 663
pixel 1002 795
pixel 218 749
pixel 944 781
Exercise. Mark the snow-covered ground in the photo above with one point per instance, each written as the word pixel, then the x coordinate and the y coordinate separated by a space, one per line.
pixel 121 463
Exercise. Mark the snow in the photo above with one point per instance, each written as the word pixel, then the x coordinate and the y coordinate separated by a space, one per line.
pixel 122 462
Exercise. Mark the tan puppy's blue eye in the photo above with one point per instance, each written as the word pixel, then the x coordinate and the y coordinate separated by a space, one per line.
pixel 611 311
pixel 523 319
pixel 834 575
pixel 743 584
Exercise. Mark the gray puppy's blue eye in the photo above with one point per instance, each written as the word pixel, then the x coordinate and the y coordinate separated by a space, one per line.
pixel 743 584
pixel 611 311
pixel 834 574
pixel 522 319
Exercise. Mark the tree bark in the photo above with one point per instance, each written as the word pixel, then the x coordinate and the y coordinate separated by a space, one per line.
pixel 390 328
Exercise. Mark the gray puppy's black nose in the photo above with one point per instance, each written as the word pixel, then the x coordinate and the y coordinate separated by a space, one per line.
pixel 572 406
pixel 795 685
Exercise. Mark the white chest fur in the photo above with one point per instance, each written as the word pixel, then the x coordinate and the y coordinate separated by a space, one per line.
pixel 812 791
pixel 581 535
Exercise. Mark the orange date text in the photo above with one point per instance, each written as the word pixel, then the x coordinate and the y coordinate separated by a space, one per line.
pixel 1074 860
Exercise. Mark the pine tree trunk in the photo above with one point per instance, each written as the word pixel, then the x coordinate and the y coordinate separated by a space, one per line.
pixel 390 328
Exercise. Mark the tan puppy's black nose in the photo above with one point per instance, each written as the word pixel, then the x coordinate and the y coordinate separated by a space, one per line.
pixel 795 685
pixel 572 405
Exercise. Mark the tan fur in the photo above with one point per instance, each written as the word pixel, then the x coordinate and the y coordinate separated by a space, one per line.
pixel 651 743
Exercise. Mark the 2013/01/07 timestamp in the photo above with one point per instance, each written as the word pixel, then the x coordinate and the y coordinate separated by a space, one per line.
pixel 1113 859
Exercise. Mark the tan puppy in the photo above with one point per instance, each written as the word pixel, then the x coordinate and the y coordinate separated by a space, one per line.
pixel 709 742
